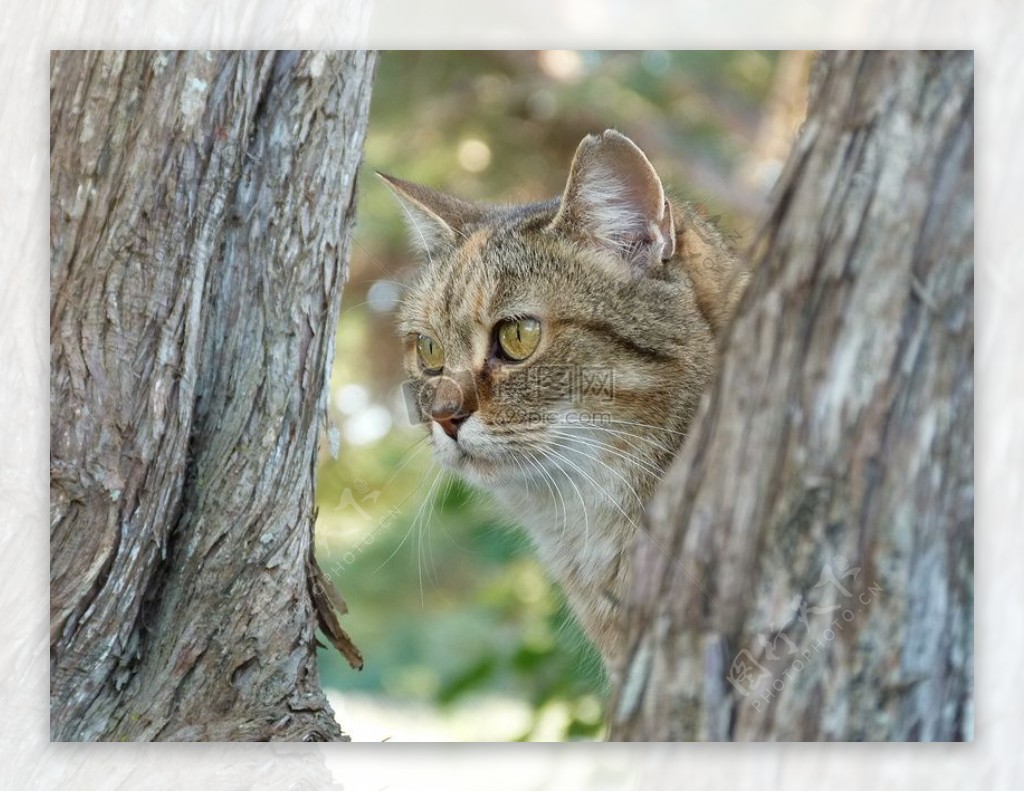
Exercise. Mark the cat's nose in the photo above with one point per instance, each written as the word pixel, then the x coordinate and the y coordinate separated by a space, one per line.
pixel 450 420
pixel 454 400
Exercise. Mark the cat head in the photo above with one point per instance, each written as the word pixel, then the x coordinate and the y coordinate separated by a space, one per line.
pixel 562 335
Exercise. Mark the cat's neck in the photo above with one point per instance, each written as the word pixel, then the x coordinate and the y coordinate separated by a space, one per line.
pixel 582 528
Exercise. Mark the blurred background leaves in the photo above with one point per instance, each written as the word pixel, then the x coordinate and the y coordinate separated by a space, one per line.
pixel 464 636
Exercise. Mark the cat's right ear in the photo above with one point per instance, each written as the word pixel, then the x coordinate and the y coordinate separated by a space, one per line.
pixel 614 200
pixel 436 221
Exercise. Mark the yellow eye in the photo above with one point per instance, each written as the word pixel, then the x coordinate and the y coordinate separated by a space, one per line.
pixel 431 353
pixel 519 337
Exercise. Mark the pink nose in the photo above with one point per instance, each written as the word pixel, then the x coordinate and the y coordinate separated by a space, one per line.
pixel 450 422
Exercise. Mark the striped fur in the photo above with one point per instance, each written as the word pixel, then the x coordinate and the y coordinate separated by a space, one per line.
pixel 630 293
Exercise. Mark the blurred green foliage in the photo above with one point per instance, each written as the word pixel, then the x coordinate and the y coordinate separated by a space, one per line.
pixel 446 599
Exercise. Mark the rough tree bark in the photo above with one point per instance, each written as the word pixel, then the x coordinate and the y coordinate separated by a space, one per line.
pixel 200 209
pixel 809 571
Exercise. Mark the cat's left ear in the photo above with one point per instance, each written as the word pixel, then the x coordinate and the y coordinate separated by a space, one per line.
pixel 435 220
pixel 614 199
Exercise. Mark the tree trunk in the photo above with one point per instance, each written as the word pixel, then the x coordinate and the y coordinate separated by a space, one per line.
pixel 809 568
pixel 199 215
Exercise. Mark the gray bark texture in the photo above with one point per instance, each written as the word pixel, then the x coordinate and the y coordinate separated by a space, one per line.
pixel 808 571
pixel 199 214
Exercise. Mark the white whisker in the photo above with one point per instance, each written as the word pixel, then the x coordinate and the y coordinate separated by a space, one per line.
pixel 608 495
pixel 412 525
pixel 419 534
pixel 642 425
pixel 591 442
pixel 617 433
pixel 583 503
pixel 690 575
pixel 550 481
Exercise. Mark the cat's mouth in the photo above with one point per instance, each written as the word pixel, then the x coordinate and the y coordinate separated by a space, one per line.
pixel 463 458
pixel 484 471
pixel 477 457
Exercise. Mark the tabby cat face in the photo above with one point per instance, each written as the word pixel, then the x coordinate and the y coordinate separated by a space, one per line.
pixel 557 338
pixel 558 352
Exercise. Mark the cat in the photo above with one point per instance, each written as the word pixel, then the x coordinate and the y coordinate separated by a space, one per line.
pixel 559 350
